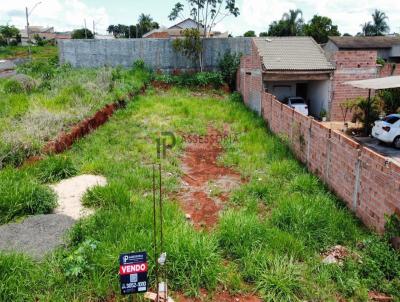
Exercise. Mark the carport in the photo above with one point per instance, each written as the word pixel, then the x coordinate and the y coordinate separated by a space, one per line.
pixel 296 66
pixel 375 84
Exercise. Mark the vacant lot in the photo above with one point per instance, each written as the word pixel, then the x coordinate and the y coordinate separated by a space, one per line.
pixel 45 99
pixel 275 225
pixel 21 52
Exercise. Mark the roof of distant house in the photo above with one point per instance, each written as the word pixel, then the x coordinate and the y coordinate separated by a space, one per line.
pixel 365 42
pixel 187 23
pixel 292 54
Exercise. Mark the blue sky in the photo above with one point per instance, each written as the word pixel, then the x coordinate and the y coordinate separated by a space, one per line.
pixel 255 14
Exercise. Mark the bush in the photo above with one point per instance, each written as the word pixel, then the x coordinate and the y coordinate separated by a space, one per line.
pixel 55 168
pixel 228 65
pixel 13 86
pixel 21 195
pixel 200 79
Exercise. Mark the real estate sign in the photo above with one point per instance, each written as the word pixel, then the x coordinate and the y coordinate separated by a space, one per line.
pixel 133 273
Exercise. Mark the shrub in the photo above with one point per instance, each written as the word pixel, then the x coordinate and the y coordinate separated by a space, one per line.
pixel 21 195
pixel 236 97
pixel 55 168
pixel 200 79
pixel 13 86
pixel 228 65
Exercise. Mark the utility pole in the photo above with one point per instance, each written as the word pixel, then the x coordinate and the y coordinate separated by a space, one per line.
pixel 84 21
pixel 27 32
pixel 94 34
pixel 27 14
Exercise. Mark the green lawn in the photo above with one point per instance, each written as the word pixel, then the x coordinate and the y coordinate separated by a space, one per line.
pixel 18 52
pixel 268 239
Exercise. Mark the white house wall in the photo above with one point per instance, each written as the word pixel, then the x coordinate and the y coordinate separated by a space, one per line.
pixel 319 96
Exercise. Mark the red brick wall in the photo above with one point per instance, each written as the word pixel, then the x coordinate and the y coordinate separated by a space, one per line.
pixel 249 76
pixel 350 65
pixel 390 69
pixel 364 180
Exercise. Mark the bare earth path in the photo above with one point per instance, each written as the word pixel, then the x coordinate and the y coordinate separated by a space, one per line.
pixel 205 185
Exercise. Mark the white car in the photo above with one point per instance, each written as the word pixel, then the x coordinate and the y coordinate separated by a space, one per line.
pixel 298 104
pixel 388 130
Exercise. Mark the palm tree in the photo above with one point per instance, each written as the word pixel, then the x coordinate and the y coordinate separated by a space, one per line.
pixel 367 29
pixel 294 22
pixel 380 26
pixel 145 23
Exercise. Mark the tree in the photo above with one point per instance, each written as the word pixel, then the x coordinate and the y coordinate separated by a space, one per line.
pixel 250 33
pixel 207 14
pixel 228 65
pixel 190 46
pixel 264 34
pixel 8 32
pixel 82 33
pixel 145 24
pixel 291 24
pixel 378 26
pixel 294 21
pixel 320 28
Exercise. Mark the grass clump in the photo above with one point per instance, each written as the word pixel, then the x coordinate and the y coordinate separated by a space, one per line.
pixel 108 196
pixel 200 79
pixel 22 195
pixel 55 168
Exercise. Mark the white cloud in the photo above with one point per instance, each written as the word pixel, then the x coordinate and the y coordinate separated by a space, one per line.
pixel 347 14
pixel 62 14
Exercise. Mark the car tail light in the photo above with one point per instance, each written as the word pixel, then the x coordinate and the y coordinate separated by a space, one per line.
pixel 386 128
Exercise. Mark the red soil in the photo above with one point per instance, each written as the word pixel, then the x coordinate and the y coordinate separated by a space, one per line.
pixel 218 297
pixel 200 167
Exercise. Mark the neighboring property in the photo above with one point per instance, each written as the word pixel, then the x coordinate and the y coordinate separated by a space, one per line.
pixel 46 33
pixel 175 31
pixel 287 67
pixel 355 58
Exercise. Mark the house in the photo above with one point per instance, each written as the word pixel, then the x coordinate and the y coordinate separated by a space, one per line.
pixel 46 33
pixel 356 58
pixel 285 67
pixel 176 30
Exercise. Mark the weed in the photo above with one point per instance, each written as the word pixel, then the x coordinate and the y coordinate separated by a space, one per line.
pixel 21 195
pixel 55 168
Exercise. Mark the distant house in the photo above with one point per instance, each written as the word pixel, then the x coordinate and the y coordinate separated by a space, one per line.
pixel 176 30
pixel 46 33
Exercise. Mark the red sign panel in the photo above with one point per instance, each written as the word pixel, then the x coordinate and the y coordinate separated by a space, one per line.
pixel 128 269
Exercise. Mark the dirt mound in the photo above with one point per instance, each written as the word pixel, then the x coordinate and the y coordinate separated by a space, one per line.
pixel 218 297
pixel 205 184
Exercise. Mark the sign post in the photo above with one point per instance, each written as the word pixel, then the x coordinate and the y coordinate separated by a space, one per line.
pixel 133 269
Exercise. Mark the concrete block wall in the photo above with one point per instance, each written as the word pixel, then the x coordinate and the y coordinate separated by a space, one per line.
pixel 156 53
pixel 367 182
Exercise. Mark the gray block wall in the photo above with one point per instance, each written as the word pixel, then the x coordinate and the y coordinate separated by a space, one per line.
pixel 156 53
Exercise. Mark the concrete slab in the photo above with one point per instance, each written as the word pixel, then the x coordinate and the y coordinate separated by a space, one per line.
pixel 380 147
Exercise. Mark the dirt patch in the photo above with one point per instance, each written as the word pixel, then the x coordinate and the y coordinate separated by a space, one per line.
pixel 205 184
pixel 218 297
pixel 335 254
pixel 70 192
pixel 375 296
